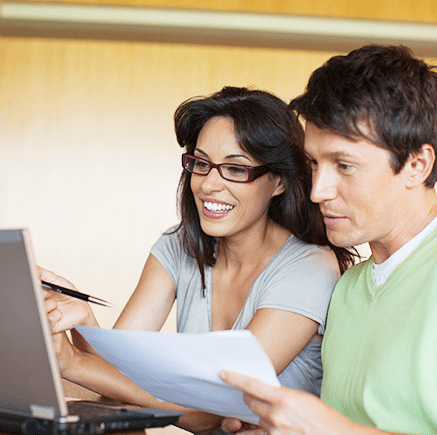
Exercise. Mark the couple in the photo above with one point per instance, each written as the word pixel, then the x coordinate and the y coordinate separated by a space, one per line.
pixel 252 251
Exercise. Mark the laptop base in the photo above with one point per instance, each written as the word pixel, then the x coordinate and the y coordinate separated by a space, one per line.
pixel 141 419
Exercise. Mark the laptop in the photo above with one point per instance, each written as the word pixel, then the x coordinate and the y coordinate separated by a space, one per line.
pixel 31 394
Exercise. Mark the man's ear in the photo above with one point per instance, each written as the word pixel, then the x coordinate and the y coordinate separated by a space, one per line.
pixel 419 165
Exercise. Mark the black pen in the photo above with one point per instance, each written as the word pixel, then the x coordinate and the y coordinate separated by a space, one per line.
pixel 75 294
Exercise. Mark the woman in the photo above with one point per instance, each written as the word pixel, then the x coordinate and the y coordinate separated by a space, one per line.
pixel 250 251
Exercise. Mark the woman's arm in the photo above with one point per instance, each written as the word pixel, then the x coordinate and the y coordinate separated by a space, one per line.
pixel 282 334
pixel 151 302
pixel 289 288
pixel 147 309
pixel 96 374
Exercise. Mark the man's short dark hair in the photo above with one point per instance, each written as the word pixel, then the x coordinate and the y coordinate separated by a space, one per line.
pixel 381 93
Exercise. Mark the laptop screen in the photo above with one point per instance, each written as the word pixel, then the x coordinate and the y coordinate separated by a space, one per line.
pixel 29 379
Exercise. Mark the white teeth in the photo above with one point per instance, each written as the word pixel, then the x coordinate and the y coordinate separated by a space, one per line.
pixel 216 207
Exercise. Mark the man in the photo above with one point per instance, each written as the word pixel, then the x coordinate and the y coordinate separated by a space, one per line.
pixel 371 137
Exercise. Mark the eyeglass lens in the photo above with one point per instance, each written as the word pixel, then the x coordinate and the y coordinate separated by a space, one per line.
pixel 227 171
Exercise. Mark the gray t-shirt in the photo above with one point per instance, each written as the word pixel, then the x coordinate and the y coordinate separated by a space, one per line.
pixel 299 278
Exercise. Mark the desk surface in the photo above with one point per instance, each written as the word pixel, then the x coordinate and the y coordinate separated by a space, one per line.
pixel 76 391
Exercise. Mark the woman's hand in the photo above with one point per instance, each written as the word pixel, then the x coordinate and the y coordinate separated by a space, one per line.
pixel 63 311
pixel 233 425
pixel 67 354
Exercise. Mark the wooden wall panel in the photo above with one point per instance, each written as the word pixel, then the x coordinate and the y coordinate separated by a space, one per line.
pixel 88 156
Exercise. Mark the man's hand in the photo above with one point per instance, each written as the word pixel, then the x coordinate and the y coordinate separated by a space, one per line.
pixel 284 411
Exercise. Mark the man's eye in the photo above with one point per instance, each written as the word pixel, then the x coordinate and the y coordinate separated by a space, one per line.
pixel 344 166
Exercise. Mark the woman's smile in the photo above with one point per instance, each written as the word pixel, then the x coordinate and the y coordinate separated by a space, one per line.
pixel 217 207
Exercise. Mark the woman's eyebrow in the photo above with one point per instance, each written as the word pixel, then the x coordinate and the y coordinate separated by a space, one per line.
pixel 231 156
pixel 200 151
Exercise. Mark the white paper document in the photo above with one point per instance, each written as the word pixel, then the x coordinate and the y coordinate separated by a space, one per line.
pixel 184 368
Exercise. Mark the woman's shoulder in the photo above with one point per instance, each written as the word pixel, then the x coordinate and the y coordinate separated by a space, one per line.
pixel 299 258
pixel 169 240
pixel 300 250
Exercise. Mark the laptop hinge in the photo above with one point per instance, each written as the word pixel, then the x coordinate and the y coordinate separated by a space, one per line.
pixel 46 412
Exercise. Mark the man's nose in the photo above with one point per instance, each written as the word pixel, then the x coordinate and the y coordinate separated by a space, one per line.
pixel 324 186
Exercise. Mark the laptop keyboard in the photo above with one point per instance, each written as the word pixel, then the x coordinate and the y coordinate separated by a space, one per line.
pixel 89 410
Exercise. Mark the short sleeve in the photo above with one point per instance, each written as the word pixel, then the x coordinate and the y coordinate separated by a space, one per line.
pixel 301 279
pixel 168 251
